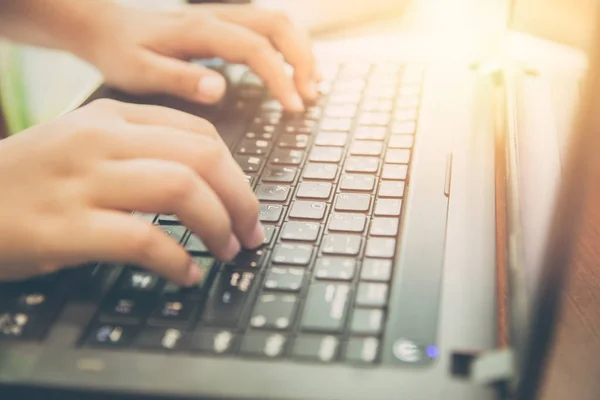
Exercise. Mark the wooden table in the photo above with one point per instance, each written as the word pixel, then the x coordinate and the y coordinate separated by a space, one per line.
pixel 574 368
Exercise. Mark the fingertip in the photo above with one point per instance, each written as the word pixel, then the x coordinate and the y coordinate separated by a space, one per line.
pixel 256 238
pixel 211 88
pixel 232 249
pixel 295 103
pixel 194 274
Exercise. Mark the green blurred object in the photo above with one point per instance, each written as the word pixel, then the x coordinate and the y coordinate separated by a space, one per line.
pixel 13 99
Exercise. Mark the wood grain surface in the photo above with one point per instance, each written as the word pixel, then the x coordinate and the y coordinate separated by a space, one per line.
pixel 574 366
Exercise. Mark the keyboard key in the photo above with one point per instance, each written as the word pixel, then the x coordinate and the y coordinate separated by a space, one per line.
pixel 407 101
pixel 335 139
pixel 299 126
pixel 372 294
pixel 352 202
pixel 289 141
pixel 397 156
pixel 362 164
pixel 335 268
pixel 404 128
pixel 254 147
pixel 131 307
pixel 394 172
pixel 276 174
pixel 173 308
pixel 216 341
pixel 308 210
pixel 249 259
pixel 277 193
pixel 337 243
pixel 377 105
pixel 336 124
pixel 381 247
pixel 166 219
pixel 406 114
pixel 380 93
pixel 292 254
pixel 394 189
pixel 367 322
pixel 133 280
pixel 284 279
pixel 195 246
pixel 15 325
pixel 270 232
pixel 271 105
pixel 363 183
pixel 145 216
pixel 388 207
pixel 366 148
pixel 175 232
pixel 362 350
pixel 326 154
pixel 374 119
pixel 111 335
pixel 286 157
pixel 249 163
pixel 410 90
pixel 270 212
pixel 350 85
pixel 314 190
pixel 232 292
pixel 345 222
pixel 354 70
pixel 345 98
pixel 384 227
pixel 302 231
pixel 263 344
pixel 320 171
pixel 376 270
pixel 376 133
pixel 326 307
pixel 316 347
pixel 340 111
pixel 401 142
pixel 274 311
pixel 160 338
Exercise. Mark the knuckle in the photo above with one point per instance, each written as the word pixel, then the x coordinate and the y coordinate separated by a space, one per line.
pixel 213 154
pixel 106 105
pixel 142 243
pixel 259 46
pixel 181 184
pixel 280 21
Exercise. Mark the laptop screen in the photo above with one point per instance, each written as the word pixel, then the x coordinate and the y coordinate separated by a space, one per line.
pixel 563 230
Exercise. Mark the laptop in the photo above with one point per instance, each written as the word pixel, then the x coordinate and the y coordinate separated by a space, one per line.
pixel 378 275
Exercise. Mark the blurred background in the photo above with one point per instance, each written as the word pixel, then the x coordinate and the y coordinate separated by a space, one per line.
pixel 38 84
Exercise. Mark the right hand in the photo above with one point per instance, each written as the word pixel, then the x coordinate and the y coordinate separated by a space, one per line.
pixel 67 187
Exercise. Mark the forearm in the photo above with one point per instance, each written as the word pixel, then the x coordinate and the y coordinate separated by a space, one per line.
pixel 59 24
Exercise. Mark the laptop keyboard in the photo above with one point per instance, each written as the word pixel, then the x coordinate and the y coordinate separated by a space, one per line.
pixel 331 184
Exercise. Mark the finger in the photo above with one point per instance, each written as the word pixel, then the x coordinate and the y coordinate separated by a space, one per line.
pixel 183 79
pixel 209 158
pixel 167 117
pixel 169 188
pixel 290 40
pixel 122 238
pixel 237 44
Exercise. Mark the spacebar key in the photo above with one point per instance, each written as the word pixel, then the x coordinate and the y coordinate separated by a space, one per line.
pixel 326 307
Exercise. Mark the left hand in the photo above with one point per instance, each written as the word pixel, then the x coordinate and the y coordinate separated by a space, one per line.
pixel 144 51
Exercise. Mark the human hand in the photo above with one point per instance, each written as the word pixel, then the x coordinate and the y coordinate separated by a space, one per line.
pixel 68 183
pixel 143 51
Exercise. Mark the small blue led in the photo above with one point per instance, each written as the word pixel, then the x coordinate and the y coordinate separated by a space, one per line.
pixel 432 351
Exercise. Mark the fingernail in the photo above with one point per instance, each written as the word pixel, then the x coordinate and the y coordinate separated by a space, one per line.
pixel 211 87
pixel 296 102
pixel 194 274
pixel 311 90
pixel 257 237
pixel 233 248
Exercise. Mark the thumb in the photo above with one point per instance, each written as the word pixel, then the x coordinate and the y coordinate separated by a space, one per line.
pixel 184 79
